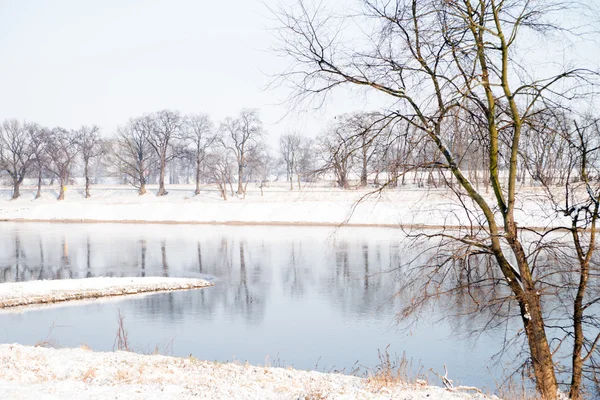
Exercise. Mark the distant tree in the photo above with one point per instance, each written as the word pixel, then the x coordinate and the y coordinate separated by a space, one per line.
pixel 290 152
pixel 61 151
pixel 91 146
pixel 199 131
pixel 39 140
pixel 259 165
pixel 219 166
pixel 133 153
pixel 16 151
pixel 306 164
pixel 337 154
pixel 162 128
pixel 240 136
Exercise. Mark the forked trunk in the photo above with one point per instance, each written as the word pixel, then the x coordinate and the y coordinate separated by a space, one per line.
pixel 16 187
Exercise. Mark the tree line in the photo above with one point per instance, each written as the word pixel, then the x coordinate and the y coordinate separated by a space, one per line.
pixel 356 149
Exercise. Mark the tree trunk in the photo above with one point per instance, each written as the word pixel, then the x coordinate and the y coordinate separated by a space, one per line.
pixel 298 175
pixel 541 356
pixel 240 190
pixel 533 319
pixel 16 186
pixel 363 174
pixel 161 179
pixel 61 193
pixel 39 185
pixel 142 189
pixel 87 179
pixel 197 192
pixel 578 308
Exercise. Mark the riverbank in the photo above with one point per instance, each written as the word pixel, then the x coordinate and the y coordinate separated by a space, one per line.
pixel 402 207
pixel 34 372
pixel 15 294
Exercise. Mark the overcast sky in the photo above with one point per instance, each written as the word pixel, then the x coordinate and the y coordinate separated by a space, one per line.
pixel 71 62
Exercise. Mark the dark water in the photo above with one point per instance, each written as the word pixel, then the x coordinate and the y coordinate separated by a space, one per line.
pixel 293 296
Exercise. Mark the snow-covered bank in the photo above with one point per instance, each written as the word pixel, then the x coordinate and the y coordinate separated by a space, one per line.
pixel 14 294
pixel 311 206
pixel 34 372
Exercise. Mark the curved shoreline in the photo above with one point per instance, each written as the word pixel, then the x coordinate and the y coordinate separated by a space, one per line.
pixel 19 294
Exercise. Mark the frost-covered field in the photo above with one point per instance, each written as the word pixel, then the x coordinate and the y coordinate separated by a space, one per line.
pixel 44 373
pixel 14 294
pixel 407 206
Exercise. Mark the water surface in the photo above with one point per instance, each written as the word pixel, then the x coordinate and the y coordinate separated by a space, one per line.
pixel 308 297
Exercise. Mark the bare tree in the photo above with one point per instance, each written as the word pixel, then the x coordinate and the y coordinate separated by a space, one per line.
pixel 162 128
pixel 61 151
pixel 290 151
pixel 435 60
pixel 240 136
pixel 39 140
pixel 199 130
pixel 16 151
pixel 91 146
pixel 219 166
pixel 338 156
pixel 133 153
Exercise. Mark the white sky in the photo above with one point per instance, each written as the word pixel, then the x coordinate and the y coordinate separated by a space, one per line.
pixel 71 62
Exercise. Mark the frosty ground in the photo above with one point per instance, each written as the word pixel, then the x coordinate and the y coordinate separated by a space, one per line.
pixel 313 205
pixel 35 372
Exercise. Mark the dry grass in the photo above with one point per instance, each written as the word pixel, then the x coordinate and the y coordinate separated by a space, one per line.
pixel 314 395
pixel 392 371
pixel 89 375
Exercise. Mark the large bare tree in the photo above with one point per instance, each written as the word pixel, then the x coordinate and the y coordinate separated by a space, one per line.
pixel 39 140
pixel 241 136
pixel 91 146
pixel 61 151
pixel 163 127
pixel 199 131
pixel 436 61
pixel 290 149
pixel 134 157
pixel 16 151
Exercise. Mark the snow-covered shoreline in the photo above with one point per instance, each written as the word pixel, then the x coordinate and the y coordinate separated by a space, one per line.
pixel 35 372
pixel 403 207
pixel 15 294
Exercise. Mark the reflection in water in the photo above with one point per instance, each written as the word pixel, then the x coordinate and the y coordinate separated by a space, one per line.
pixel 294 292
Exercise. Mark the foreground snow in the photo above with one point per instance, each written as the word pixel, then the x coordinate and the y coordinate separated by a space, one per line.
pixel 405 206
pixel 35 372
pixel 13 294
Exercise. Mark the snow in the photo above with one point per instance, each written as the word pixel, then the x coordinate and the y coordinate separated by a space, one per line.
pixel 404 206
pixel 14 294
pixel 35 372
